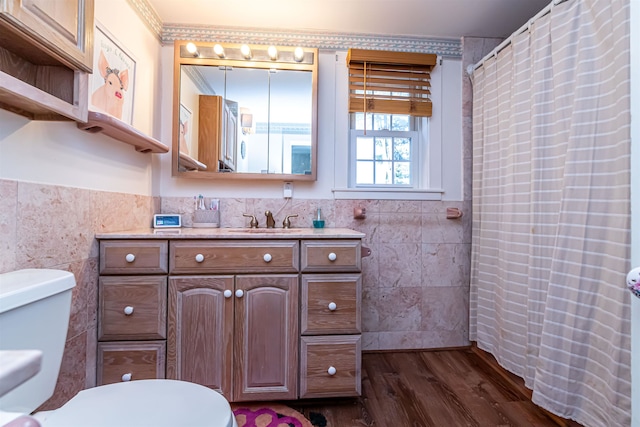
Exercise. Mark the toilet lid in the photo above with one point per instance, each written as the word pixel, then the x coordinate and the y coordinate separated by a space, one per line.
pixel 153 403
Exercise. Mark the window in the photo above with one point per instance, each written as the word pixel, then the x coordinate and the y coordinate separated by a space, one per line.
pixel 389 97
pixel 385 155
pixel 435 141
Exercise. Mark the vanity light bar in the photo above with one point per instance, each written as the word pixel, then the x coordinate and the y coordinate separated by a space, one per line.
pixel 262 54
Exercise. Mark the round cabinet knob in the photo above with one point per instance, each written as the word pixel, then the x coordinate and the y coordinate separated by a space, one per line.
pixel 331 370
pixel 130 257
pixel 332 256
pixel 239 293
pixel 126 377
pixel 128 310
pixel 199 258
pixel 267 257
pixel 227 293
pixel 332 306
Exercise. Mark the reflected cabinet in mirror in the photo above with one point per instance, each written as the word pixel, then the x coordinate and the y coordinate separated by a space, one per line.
pixel 244 111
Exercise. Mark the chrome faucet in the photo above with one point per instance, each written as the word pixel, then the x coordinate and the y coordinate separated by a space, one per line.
pixel 271 223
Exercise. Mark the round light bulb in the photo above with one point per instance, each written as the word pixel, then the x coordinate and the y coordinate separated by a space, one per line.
pixel 298 54
pixel 246 51
pixel 273 53
pixel 192 49
pixel 218 50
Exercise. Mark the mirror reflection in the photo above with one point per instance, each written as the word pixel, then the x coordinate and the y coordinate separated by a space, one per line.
pixel 239 117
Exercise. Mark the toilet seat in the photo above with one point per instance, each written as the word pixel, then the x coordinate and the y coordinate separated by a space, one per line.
pixel 142 403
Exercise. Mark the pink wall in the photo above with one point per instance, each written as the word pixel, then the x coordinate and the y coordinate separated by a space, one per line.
pixel 48 226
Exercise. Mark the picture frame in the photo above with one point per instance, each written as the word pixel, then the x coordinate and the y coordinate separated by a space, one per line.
pixel 186 127
pixel 112 84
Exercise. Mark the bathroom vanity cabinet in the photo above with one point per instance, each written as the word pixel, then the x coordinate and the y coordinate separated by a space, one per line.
pixel 254 315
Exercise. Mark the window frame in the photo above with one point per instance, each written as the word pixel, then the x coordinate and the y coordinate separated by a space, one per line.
pixel 443 176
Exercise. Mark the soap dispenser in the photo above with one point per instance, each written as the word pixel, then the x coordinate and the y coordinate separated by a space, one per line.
pixel 318 221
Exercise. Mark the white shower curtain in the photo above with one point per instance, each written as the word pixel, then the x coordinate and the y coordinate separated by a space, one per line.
pixel 551 210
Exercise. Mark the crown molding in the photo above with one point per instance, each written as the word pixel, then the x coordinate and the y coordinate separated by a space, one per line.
pixel 320 40
pixel 148 15
pixel 168 33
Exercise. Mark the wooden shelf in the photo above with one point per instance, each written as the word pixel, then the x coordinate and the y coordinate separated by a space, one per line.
pixel 191 164
pixel 37 104
pixel 117 129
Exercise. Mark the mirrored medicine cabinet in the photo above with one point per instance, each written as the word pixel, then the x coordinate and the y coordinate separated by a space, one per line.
pixel 244 112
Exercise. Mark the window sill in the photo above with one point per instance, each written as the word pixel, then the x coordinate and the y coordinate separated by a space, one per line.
pixel 387 194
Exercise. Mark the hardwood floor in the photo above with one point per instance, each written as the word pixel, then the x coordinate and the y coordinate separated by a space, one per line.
pixel 443 388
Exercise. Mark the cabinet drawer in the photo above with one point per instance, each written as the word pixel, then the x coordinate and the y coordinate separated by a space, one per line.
pixel 130 361
pixel 232 257
pixel 132 257
pixel 330 256
pixel 330 304
pixel 132 307
pixel 319 354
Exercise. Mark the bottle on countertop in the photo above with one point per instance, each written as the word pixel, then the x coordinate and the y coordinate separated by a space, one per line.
pixel 318 222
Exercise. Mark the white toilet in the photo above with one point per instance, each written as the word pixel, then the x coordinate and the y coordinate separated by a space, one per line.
pixel 34 315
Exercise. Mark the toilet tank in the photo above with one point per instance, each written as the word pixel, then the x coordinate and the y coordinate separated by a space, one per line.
pixel 34 315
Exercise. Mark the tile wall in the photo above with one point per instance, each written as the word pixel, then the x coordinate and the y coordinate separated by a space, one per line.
pixel 47 226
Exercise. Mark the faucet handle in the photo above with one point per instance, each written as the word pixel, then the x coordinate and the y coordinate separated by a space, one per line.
pixel 254 222
pixel 286 223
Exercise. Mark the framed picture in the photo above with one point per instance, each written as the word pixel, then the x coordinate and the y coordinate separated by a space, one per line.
pixel 185 129
pixel 112 84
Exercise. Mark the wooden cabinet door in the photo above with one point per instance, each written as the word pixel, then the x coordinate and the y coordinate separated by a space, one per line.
pixel 64 27
pixel 210 130
pixel 200 331
pixel 230 140
pixel 266 337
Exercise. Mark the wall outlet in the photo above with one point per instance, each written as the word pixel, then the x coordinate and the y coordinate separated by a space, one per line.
pixel 287 190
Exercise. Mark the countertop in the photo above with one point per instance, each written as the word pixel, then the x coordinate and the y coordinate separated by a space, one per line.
pixel 233 233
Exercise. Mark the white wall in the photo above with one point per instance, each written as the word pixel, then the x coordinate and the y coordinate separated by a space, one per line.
pixel 59 153
pixel 332 134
